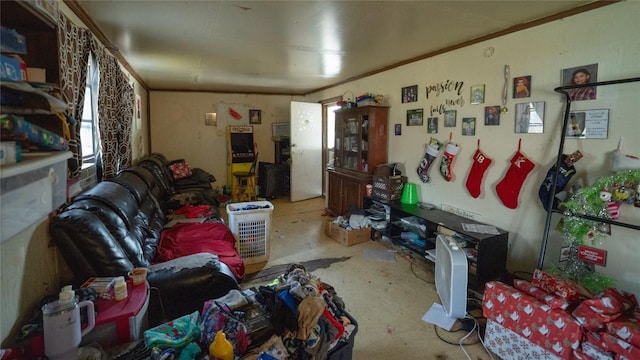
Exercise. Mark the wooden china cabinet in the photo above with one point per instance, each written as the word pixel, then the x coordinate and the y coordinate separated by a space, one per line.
pixel 360 146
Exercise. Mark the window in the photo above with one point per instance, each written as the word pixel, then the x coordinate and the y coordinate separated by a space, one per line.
pixel 89 135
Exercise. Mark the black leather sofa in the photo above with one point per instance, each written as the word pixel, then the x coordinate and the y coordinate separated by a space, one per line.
pixel 116 226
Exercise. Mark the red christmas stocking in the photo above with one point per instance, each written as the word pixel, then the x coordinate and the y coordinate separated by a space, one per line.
pixel 508 188
pixel 449 154
pixel 480 164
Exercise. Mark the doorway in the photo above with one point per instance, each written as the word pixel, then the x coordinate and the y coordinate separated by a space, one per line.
pixel 327 114
pixel 328 137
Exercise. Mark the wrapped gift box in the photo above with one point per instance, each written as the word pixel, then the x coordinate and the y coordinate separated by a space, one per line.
pixel 552 329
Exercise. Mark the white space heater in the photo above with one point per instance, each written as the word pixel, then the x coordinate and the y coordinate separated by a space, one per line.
pixel 451 276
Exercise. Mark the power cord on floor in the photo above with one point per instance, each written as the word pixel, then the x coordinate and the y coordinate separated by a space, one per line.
pixel 469 325
pixel 459 329
pixel 408 255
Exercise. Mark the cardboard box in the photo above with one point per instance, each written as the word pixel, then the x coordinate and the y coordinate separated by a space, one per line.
pixel 388 169
pixel 344 236
pixel 38 75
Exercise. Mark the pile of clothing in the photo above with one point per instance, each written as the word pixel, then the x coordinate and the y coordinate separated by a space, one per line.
pixel 295 317
pixel 308 317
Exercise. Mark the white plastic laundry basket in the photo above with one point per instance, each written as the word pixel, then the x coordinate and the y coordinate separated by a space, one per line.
pixel 250 223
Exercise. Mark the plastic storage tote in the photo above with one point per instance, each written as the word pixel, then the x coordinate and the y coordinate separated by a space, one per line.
pixel 250 223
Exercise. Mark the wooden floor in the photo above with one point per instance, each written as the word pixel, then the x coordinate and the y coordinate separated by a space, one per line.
pixel 386 291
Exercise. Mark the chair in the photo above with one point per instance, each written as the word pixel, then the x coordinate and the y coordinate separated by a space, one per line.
pixel 244 184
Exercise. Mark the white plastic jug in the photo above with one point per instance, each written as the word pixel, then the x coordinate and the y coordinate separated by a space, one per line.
pixel 62 325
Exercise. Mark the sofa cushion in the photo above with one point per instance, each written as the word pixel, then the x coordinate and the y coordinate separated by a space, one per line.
pixel 113 196
pixel 161 172
pixel 134 183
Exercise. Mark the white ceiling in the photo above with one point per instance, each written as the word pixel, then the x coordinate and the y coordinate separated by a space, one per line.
pixel 295 47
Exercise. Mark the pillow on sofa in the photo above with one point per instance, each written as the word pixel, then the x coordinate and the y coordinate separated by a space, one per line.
pixel 180 169
pixel 555 302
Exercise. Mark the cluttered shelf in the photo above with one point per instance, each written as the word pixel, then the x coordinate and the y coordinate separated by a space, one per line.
pixel 415 227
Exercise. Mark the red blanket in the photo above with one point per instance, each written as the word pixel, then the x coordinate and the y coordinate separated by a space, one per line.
pixel 191 238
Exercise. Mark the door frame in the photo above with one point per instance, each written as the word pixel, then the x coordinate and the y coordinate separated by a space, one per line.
pixel 326 103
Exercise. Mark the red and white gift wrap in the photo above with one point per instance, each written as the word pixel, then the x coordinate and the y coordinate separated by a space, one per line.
pixel 510 345
pixel 627 328
pixel 564 288
pixel 551 329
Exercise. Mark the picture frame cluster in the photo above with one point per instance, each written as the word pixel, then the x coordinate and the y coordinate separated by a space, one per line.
pixel 527 113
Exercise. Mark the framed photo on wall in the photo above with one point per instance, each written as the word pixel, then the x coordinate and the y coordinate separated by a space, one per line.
pixel 398 129
pixel 409 94
pixel 530 117
pixel 415 117
pixel 468 126
pixel 522 87
pixel 255 116
pixel 477 94
pixel 432 125
pixel 581 75
pixel 492 115
pixel 588 124
pixel 450 118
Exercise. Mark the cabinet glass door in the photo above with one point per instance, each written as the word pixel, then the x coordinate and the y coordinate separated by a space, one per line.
pixel 338 143
pixel 364 144
pixel 352 142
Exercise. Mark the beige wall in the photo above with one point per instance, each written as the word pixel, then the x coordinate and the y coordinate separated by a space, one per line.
pixel 179 129
pixel 541 52
pixel 608 36
pixel 30 265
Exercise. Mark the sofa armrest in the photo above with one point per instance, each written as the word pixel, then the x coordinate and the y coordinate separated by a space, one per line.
pixel 181 286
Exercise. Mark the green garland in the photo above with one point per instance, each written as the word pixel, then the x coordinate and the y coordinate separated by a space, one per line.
pixel 579 231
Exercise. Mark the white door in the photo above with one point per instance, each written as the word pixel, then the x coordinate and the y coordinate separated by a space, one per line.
pixel 306 150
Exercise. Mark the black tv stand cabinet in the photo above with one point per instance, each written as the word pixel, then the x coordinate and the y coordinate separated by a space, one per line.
pixel 487 253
